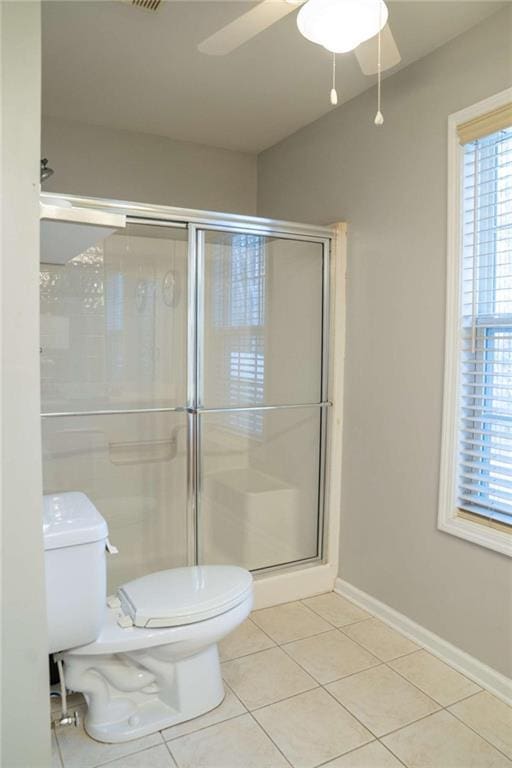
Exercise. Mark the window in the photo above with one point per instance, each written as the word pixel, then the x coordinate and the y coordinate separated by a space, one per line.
pixel 476 464
pixel 239 313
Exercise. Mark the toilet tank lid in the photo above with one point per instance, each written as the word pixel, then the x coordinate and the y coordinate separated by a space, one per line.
pixel 69 519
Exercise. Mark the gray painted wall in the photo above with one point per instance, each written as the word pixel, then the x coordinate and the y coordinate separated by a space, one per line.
pixel 103 162
pixel 25 701
pixel 389 183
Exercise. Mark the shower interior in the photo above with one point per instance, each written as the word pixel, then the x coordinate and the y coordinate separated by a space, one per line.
pixel 184 390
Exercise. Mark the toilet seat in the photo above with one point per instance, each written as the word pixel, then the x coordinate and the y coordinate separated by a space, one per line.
pixel 183 596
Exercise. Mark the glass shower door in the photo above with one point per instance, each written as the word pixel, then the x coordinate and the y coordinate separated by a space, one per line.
pixel 114 390
pixel 183 390
pixel 260 392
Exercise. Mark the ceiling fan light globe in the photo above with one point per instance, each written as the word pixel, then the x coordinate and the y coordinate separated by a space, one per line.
pixel 335 45
pixel 341 25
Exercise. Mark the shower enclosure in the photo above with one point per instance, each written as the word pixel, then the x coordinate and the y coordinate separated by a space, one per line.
pixel 185 387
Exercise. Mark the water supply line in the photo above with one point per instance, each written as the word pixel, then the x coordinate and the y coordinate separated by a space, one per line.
pixel 65 718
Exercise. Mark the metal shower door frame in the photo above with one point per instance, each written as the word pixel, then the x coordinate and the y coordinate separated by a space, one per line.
pixel 195 408
pixel 197 222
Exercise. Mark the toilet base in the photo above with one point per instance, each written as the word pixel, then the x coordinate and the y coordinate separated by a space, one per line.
pixel 133 694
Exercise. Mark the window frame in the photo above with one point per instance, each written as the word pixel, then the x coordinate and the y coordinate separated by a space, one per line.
pixel 483 531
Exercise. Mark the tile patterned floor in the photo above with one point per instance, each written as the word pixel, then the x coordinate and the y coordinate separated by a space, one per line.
pixel 320 682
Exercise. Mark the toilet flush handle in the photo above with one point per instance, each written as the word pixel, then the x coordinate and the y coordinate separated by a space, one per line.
pixel 110 548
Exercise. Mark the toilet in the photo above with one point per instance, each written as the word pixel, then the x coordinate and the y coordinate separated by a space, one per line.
pixel 145 658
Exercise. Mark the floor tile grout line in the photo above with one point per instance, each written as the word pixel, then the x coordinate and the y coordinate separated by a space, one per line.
pixel 328 682
pixel 271 739
pixel 204 727
pixel 412 722
pixel 409 653
pixel 470 696
pixel 276 645
pixel 294 602
pixel 384 664
pixel 380 662
pixel 361 746
pixel 174 762
pixel 342 754
pixel 307 637
pixel 250 653
pixel 221 722
pixel 336 626
pixel 429 695
pixel 304 637
pixel 440 708
pixel 192 733
pixel 264 631
pixel 298 601
pixel 443 709
pixel 351 623
pixel 410 682
pixel 484 738
pixel 278 605
pixel 384 661
pixel 255 653
pixel 325 632
pixel 128 754
pixel 234 694
pixel 441 661
pixel 352 674
pixel 390 749
pixel 343 706
pixel 286 698
pixel 420 647
pixel 393 754
pixel 59 751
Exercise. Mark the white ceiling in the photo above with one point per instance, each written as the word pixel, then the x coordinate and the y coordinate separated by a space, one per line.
pixel 111 64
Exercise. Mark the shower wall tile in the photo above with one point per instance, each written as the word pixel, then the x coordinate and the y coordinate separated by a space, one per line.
pixel 113 325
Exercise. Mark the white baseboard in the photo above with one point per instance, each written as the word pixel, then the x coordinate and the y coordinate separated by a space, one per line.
pixel 480 673
pixel 284 587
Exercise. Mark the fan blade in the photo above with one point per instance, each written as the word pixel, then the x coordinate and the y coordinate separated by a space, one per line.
pixel 366 53
pixel 246 26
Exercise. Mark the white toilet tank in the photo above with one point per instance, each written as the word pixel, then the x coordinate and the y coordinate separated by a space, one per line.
pixel 75 537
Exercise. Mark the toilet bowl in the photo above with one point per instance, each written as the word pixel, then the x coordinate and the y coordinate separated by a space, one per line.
pixel 149 657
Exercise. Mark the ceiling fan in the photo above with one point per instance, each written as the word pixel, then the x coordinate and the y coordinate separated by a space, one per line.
pixel 338 25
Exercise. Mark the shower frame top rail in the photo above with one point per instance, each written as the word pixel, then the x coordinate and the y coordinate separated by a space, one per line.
pixel 184 216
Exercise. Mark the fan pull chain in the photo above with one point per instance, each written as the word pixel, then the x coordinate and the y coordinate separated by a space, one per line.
pixel 379 117
pixel 334 94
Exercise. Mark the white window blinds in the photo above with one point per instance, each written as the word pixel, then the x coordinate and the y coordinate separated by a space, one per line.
pixel 485 383
pixel 239 308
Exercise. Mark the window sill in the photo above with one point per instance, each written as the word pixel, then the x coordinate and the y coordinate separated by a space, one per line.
pixel 479 532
